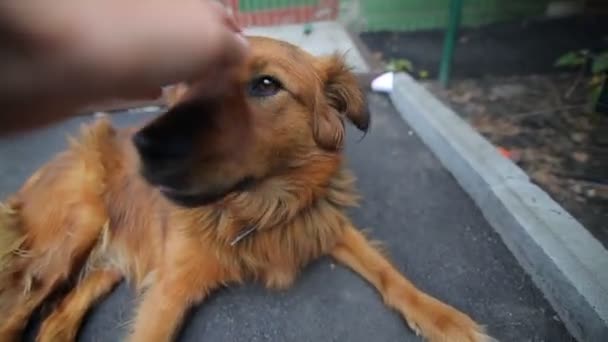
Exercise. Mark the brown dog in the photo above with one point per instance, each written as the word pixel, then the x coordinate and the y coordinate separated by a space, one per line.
pixel 221 189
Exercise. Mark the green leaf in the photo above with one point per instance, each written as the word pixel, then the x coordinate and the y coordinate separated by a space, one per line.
pixel 423 74
pixel 574 58
pixel 400 64
pixel 595 80
pixel 600 63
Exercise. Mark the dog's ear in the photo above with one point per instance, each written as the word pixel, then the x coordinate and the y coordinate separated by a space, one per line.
pixel 341 98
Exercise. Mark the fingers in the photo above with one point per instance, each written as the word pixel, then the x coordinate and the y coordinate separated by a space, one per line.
pixel 198 40
pixel 229 19
pixel 85 51
pixel 202 47
pixel 124 46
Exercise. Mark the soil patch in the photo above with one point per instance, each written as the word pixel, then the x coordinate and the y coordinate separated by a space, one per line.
pixel 553 138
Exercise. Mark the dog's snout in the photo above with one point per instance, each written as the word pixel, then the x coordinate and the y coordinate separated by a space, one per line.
pixel 173 136
pixel 152 148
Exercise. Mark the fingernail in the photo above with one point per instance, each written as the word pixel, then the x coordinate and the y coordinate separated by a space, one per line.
pixel 241 37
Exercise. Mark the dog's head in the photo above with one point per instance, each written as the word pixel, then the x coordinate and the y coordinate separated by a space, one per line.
pixel 282 106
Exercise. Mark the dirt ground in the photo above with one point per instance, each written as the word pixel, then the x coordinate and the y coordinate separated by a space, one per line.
pixel 506 86
pixel 562 147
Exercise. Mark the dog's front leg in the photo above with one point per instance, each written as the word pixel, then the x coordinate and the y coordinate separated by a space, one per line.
pixel 185 281
pixel 63 324
pixel 426 315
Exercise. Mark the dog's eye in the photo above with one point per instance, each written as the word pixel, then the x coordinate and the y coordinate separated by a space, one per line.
pixel 264 86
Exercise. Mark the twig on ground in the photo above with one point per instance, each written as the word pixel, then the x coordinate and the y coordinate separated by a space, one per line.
pixel 579 79
pixel 548 110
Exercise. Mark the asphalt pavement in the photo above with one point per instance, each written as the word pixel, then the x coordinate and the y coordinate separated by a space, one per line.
pixel 432 230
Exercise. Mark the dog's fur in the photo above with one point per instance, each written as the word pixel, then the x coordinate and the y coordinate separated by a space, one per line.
pixel 246 184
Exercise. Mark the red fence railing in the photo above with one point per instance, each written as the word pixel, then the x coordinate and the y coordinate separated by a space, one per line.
pixel 262 13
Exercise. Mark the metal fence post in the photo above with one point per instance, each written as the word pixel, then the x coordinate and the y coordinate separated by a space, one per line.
pixel 449 42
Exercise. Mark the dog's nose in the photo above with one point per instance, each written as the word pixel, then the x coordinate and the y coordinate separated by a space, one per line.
pixel 166 149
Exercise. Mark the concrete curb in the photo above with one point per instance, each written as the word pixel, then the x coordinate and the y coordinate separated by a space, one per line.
pixel 565 261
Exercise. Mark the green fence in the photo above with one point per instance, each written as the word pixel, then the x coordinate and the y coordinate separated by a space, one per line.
pixel 426 14
pixel 261 5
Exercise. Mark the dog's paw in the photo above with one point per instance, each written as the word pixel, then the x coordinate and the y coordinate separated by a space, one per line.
pixel 438 322
pixel 456 327
pixel 58 327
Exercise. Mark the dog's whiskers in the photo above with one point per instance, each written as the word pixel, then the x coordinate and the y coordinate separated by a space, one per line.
pixel 243 234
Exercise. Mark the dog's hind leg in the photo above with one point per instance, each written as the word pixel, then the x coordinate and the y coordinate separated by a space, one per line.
pixel 63 324
pixel 426 315
pixel 11 329
pixel 40 266
pixel 56 218
pixel 98 278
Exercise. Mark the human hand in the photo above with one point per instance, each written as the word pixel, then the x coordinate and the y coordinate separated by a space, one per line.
pixel 69 53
